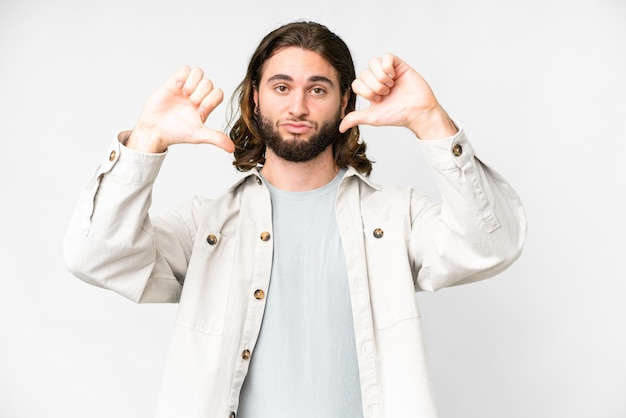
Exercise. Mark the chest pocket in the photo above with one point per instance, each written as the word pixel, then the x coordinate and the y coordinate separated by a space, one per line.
pixel 392 290
pixel 206 289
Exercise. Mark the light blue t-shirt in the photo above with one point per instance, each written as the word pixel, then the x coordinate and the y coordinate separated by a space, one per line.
pixel 304 364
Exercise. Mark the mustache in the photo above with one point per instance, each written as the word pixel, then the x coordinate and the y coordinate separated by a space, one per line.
pixel 259 118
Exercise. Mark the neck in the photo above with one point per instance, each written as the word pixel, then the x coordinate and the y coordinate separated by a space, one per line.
pixel 301 176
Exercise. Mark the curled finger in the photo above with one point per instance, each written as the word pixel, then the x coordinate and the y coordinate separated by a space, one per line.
pixel 363 90
pixel 193 79
pixel 373 83
pixel 204 87
pixel 388 64
pixel 177 80
pixel 381 74
pixel 210 102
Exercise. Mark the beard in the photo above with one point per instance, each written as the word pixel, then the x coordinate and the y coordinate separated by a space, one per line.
pixel 295 149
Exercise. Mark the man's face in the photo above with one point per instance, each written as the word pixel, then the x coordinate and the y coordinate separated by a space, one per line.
pixel 299 104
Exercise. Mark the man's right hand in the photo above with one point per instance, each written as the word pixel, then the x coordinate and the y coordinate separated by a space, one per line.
pixel 176 112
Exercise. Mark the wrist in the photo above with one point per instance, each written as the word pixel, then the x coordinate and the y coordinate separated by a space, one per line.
pixel 144 140
pixel 433 124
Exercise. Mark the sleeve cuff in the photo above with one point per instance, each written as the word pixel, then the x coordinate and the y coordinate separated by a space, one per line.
pixel 129 165
pixel 448 153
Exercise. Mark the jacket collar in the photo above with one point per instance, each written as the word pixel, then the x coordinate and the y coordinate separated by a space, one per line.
pixel 253 172
pixel 350 172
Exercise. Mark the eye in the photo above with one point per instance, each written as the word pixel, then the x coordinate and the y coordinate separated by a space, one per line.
pixel 318 91
pixel 281 88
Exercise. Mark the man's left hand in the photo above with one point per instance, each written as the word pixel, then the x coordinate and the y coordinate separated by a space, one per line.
pixel 398 96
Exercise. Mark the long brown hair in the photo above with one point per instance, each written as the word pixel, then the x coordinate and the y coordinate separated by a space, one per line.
pixel 249 145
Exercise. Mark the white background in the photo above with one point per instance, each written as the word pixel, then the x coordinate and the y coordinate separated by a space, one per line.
pixel 539 85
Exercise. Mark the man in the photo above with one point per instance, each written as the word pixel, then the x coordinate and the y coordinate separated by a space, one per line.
pixel 297 286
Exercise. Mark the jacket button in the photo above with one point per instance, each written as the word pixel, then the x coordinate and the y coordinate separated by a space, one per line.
pixel 112 155
pixel 265 236
pixel 457 150
pixel 246 354
pixel 231 415
pixel 211 239
pixel 378 233
pixel 259 181
pixel 259 294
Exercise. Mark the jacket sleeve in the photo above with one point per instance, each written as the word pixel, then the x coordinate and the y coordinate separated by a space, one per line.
pixel 478 229
pixel 111 241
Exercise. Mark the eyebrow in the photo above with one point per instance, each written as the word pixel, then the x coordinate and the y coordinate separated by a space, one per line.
pixel 312 79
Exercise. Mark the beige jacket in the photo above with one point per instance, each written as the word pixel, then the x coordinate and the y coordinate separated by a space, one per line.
pixel 396 242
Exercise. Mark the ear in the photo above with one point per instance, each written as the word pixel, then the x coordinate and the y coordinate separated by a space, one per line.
pixel 255 97
pixel 344 103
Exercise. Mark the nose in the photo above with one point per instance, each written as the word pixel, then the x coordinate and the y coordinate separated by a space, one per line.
pixel 298 106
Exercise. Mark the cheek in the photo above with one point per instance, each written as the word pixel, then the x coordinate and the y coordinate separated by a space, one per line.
pixel 267 111
pixel 268 105
pixel 329 111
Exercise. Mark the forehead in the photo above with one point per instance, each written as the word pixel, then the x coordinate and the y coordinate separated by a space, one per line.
pixel 299 64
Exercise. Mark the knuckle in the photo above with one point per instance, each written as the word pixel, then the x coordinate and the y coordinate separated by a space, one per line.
pixel 374 62
pixel 197 72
